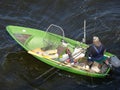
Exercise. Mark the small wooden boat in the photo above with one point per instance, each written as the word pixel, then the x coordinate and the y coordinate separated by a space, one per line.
pixel 50 48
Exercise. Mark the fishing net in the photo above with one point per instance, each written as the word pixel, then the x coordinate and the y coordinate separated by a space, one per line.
pixel 53 36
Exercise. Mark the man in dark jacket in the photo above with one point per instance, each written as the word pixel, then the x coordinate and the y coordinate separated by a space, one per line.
pixel 95 52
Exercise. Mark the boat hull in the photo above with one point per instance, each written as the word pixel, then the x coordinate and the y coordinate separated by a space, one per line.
pixel 30 39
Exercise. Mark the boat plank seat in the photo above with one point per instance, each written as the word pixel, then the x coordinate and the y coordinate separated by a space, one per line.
pixel 50 54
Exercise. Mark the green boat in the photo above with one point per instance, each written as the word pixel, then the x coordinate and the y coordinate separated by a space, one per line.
pixel 47 46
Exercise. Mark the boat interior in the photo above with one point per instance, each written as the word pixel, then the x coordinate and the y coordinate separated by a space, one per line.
pixel 53 47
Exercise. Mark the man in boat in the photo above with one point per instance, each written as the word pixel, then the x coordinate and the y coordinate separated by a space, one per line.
pixel 96 53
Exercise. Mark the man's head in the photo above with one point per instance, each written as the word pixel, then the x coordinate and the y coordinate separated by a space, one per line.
pixel 96 41
pixel 95 38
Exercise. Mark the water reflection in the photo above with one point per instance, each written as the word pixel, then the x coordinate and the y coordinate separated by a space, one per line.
pixel 18 69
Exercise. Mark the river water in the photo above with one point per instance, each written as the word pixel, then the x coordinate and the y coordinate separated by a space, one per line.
pixel 18 69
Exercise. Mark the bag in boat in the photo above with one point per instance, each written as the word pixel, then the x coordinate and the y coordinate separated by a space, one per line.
pixel 115 61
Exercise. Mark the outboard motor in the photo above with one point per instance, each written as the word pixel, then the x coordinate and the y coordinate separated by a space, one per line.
pixel 114 60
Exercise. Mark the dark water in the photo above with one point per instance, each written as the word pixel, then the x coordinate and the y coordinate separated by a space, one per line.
pixel 18 70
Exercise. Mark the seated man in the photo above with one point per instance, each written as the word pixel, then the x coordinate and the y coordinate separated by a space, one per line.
pixel 96 52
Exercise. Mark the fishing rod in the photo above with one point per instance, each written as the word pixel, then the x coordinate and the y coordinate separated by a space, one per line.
pixel 41 79
pixel 84 38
